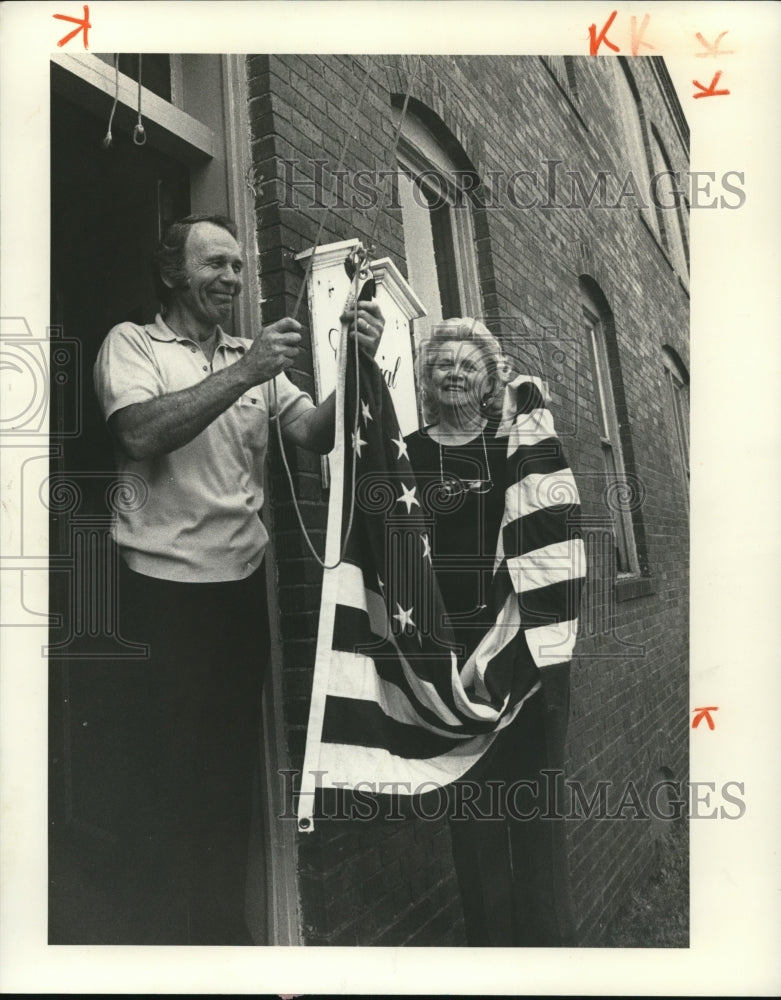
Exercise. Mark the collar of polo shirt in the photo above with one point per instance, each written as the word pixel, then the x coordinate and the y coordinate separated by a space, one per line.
pixel 159 330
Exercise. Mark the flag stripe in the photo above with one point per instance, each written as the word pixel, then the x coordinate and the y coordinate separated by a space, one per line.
pixel 550 644
pixel 504 632
pixel 536 492
pixel 540 458
pixel 529 428
pixel 400 706
pixel 354 678
pixel 555 602
pixel 386 666
pixel 376 769
pixel 434 700
pixel 535 530
pixel 551 564
pixel 511 671
pixel 364 723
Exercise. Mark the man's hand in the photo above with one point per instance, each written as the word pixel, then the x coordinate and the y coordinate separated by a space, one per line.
pixel 370 325
pixel 314 428
pixel 273 351
pixel 158 426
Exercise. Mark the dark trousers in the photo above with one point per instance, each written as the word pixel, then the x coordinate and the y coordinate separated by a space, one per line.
pixel 509 849
pixel 190 727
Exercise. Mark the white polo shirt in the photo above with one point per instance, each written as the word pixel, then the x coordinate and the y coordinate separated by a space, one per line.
pixel 199 522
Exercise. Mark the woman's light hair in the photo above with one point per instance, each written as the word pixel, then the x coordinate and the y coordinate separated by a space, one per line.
pixel 461 330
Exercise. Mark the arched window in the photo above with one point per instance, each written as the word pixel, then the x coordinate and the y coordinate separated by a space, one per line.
pixel 677 379
pixel 562 69
pixel 619 480
pixel 438 230
pixel 632 119
pixel 670 203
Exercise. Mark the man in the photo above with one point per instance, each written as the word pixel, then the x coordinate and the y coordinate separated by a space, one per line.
pixel 189 408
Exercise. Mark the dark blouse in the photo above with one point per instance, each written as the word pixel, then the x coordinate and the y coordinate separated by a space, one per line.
pixel 464 524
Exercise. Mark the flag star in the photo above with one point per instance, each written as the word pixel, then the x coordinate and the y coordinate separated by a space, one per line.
pixel 365 412
pixel 426 547
pixel 401 445
pixel 382 585
pixel 408 497
pixel 358 443
pixel 404 618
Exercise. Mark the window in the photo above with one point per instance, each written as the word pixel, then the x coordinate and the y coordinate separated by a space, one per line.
pixel 159 72
pixel 671 205
pixel 618 490
pixel 638 185
pixel 677 379
pixel 439 236
pixel 562 69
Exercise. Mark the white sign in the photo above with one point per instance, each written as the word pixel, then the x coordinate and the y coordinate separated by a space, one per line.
pixel 328 289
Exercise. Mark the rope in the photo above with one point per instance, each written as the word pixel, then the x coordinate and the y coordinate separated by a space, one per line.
pixel 139 135
pixel 342 155
pixel 340 361
pixel 386 173
pixel 108 138
pixel 297 307
pixel 296 310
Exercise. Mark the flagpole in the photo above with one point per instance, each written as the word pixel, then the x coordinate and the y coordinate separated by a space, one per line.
pixel 328 600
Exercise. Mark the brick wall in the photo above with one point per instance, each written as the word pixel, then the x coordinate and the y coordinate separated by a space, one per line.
pixel 390 881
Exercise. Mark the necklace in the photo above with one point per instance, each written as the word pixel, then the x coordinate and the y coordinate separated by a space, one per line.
pixel 454 485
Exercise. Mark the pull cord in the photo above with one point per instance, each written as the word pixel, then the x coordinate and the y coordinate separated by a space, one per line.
pixel 296 310
pixel 392 158
pixel 139 135
pixel 324 219
pixel 108 138
pixel 297 307
pixel 321 562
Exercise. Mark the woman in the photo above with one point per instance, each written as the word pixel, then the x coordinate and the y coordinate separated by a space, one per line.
pixel 511 870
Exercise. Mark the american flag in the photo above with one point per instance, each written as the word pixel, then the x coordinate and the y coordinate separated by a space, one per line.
pixel 392 704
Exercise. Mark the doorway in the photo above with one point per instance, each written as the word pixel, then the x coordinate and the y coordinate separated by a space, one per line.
pixel 108 207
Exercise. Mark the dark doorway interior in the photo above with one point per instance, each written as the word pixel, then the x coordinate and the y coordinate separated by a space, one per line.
pixel 99 277
pixel 107 209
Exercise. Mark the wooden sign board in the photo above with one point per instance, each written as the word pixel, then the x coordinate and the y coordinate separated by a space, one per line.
pixel 328 288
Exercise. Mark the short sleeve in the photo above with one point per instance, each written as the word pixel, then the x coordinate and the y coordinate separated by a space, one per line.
pixel 290 401
pixel 125 370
